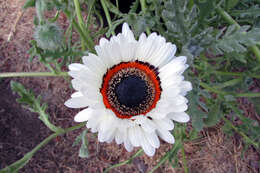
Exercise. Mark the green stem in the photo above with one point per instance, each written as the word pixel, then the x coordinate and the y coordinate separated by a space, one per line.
pixel 229 83
pixel 231 21
pixel 246 95
pixel 186 170
pixel 227 17
pixel 33 74
pixel 22 162
pixel 80 20
pixel 104 6
pixel 241 74
pixel 44 117
pixel 241 133
pixel 143 7
pixel 211 89
pixel 84 34
pixel 217 91
pixel 256 51
pixel 138 153
pixel 175 148
pixel 89 13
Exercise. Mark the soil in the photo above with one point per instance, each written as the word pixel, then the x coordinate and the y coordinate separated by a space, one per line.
pixel 21 130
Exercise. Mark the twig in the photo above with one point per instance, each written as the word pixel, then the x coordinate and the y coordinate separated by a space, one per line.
pixel 20 14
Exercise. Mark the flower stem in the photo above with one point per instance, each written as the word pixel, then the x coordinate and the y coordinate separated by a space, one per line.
pixel 236 74
pixel 80 20
pixel 231 21
pixel 217 91
pixel 170 153
pixel 33 74
pixel 229 83
pixel 103 3
pixel 138 153
pixel 186 170
pixel 241 133
pixel 84 34
pixel 143 7
pixel 23 161
pixel 256 51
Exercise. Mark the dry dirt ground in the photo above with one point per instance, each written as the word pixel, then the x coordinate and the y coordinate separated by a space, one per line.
pixel 21 130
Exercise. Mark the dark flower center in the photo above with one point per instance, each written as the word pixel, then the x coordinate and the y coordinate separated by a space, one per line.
pixel 131 91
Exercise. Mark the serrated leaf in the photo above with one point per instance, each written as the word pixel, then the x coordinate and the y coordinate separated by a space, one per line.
pixel 32 103
pixel 236 40
pixel 204 7
pixel 139 22
pixel 113 8
pixel 134 6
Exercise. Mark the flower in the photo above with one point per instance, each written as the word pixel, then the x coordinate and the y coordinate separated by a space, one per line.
pixel 131 90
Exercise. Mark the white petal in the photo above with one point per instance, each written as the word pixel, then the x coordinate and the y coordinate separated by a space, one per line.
pixel 176 67
pixel 119 138
pixel 145 123
pixel 84 115
pixel 106 135
pixel 94 121
pixel 164 54
pixel 103 41
pixel 173 81
pixel 185 86
pixel 165 124
pixel 132 134
pixel 153 139
pixel 106 123
pixel 157 114
pixel 180 108
pixel 147 147
pixel 76 67
pixel 166 136
pixel 77 94
pixel 181 117
pixel 128 146
pixel 78 102
pixel 178 100
pixel 168 54
pixel 126 31
pixel 94 63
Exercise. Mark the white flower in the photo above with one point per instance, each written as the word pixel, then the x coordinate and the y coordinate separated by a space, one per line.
pixel 132 90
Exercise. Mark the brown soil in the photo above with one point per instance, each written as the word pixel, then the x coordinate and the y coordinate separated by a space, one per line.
pixel 21 130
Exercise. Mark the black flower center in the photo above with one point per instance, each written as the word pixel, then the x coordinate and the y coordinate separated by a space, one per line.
pixel 131 91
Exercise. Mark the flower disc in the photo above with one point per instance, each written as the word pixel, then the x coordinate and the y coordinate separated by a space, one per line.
pixel 131 88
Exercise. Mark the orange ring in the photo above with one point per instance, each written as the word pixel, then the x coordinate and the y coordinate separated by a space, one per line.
pixel 145 67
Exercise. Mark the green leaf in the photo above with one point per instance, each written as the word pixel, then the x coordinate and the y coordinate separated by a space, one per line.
pixel 112 8
pixel 204 7
pixel 49 36
pixel 252 12
pixel 197 115
pixel 134 6
pixel 213 115
pixel 83 151
pixel 29 3
pixel 236 40
pixel 33 104
pixel 140 22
